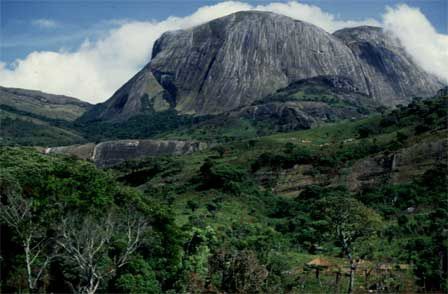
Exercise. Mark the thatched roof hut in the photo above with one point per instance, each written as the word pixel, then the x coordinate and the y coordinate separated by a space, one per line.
pixel 320 262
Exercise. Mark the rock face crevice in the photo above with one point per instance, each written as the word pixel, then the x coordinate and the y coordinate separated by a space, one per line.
pixel 235 60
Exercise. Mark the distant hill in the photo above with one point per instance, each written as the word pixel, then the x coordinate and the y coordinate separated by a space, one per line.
pixel 30 117
pixel 43 104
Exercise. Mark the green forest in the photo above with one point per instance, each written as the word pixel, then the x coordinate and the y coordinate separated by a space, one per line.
pixel 229 219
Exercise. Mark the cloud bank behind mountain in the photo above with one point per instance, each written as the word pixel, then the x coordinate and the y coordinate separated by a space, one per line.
pixel 98 68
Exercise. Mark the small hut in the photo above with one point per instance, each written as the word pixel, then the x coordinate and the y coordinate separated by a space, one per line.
pixel 319 264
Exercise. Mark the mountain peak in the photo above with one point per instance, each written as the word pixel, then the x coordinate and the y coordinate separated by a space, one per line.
pixel 237 59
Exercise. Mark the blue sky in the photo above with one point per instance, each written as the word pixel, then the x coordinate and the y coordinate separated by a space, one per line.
pixel 69 23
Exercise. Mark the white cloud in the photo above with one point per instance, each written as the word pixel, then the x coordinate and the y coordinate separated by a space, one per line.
pixel 418 36
pixel 96 69
pixel 315 15
pixel 45 23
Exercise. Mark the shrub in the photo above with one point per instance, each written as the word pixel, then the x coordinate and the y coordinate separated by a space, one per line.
pixel 223 176
pixel 365 131
pixel 193 205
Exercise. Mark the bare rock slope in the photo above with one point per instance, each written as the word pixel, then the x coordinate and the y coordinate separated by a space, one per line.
pixel 237 59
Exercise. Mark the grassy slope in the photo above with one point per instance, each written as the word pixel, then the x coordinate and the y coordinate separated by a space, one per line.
pixel 43 104
pixel 254 217
pixel 174 186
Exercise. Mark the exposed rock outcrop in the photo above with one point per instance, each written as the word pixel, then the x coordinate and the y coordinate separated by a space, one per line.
pixel 232 61
pixel 289 116
pixel 111 153
pixel 396 167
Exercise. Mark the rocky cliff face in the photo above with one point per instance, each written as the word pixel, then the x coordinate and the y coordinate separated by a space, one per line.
pixel 111 153
pixel 234 60
pixel 391 76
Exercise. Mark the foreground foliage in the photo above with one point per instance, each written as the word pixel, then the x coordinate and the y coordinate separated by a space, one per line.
pixel 212 221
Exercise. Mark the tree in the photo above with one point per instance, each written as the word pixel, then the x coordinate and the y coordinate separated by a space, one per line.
pixel 193 205
pixel 349 222
pixel 220 150
pixel 88 245
pixel 138 277
pixel 17 212
pixel 239 271
pixel 224 176
pixel 365 131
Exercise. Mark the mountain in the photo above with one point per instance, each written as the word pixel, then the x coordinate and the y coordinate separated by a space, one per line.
pixel 238 59
pixel 35 118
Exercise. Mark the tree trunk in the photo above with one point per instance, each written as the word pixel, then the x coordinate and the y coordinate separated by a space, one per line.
pixel 351 283
pixel 336 282
pixel 31 283
pixel 366 278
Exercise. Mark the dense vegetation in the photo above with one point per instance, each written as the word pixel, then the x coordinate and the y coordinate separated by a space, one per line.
pixel 216 221
pixel 69 227
pixel 28 129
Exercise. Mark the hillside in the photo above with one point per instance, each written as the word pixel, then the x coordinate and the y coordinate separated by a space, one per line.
pixel 43 104
pixel 302 105
pixel 268 195
pixel 30 117
pixel 262 214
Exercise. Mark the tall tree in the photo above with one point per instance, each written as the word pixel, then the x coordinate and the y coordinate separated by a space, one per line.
pixel 88 244
pixel 349 222
pixel 17 212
